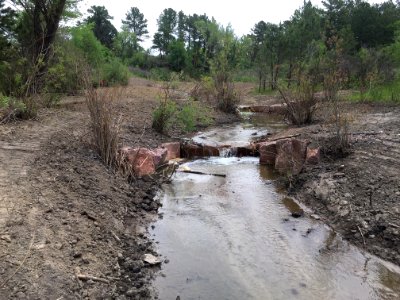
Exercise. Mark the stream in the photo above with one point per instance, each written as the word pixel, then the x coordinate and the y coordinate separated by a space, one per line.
pixel 235 238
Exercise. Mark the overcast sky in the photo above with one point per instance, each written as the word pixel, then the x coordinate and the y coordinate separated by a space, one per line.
pixel 242 15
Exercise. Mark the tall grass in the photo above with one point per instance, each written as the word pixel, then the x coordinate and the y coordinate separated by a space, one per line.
pixel 386 93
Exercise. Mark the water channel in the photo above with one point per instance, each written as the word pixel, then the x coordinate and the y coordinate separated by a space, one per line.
pixel 234 238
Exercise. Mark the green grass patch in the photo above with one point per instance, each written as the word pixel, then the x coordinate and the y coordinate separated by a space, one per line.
pixel 387 93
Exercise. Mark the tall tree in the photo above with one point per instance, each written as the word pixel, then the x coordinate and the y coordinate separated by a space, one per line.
pixel 166 28
pixel 136 23
pixel 38 25
pixel 104 31
pixel 181 29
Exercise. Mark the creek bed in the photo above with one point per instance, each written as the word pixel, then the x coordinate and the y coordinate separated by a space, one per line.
pixel 235 238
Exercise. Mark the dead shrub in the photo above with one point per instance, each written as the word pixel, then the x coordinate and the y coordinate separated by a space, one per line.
pixel 219 91
pixel 225 95
pixel 104 125
pixel 301 103
pixel 341 139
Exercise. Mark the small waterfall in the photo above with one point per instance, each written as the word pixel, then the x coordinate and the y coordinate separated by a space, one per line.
pixel 227 152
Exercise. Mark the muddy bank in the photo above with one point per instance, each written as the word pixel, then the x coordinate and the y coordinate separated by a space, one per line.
pixel 358 195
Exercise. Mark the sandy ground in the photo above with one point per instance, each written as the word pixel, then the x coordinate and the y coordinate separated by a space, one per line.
pixel 63 213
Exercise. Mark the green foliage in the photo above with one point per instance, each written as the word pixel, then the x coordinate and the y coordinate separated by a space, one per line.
pixel 114 72
pixel 106 69
pixel 177 57
pixel 136 23
pixel 11 108
pixel 387 93
pixel 102 28
pixel 160 74
pixel 65 72
pixel 163 115
pixel 84 39
pixel 192 114
pixel 126 44
pixel 166 28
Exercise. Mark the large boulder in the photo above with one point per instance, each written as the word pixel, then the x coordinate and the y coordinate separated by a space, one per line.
pixel 173 150
pixel 267 152
pixel 143 161
pixel 291 155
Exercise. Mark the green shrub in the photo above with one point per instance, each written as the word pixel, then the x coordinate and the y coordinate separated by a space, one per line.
pixel 192 115
pixel 163 115
pixel 114 72
pixel 12 108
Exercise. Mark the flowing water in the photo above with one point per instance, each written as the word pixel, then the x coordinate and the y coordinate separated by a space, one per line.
pixel 234 238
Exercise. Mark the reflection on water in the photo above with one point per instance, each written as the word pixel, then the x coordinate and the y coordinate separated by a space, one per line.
pixel 234 238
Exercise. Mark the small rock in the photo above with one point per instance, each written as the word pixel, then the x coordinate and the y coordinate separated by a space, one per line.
pixel 338 175
pixel 151 259
pixel 6 238
pixel 315 217
pixel 344 213
pixel 166 261
pixel 298 214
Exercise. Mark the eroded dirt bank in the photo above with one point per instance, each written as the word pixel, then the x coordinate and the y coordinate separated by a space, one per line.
pixel 358 195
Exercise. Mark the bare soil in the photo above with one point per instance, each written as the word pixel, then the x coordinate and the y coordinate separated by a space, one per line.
pixel 64 214
pixel 357 194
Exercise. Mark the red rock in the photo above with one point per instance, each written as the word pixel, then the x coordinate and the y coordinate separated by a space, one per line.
pixel 191 150
pixel 209 150
pixel 267 153
pixel 247 150
pixel 173 149
pixel 291 155
pixel 159 156
pixel 140 159
pixel 313 156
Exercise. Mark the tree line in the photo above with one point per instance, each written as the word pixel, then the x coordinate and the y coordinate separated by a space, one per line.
pixel 359 41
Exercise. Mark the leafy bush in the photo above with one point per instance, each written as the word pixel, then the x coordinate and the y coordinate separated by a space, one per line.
pixel 11 109
pixel 163 115
pixel 114 72
pixel 192 115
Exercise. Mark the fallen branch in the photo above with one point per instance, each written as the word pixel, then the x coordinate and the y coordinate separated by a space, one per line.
pixel 201 173
pixel 359 229
pixel 115 236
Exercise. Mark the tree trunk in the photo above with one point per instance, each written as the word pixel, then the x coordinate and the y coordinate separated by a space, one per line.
pixel 46 19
